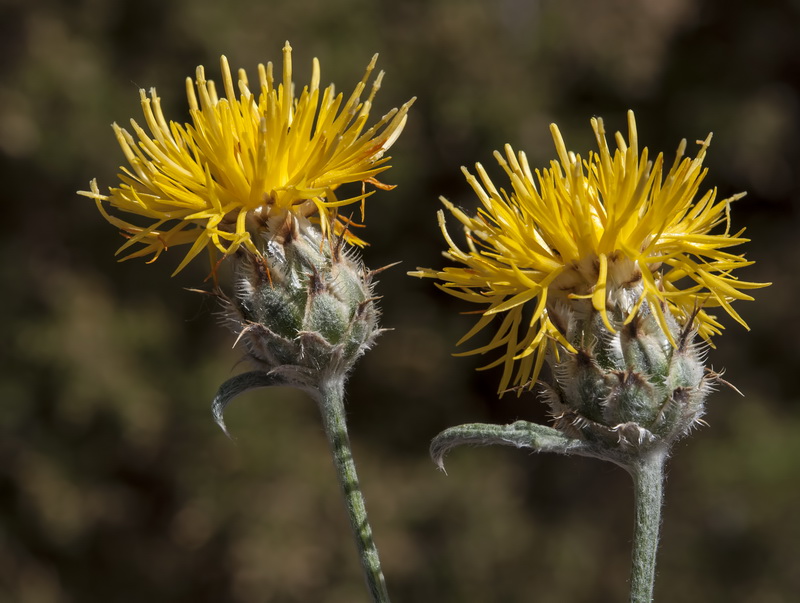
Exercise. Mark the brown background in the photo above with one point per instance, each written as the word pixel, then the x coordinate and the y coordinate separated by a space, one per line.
pixel 115 485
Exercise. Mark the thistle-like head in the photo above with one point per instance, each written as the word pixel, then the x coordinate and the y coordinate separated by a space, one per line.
pixel 587 238
pixel 247 160
pixel 254 176
pixel 607 268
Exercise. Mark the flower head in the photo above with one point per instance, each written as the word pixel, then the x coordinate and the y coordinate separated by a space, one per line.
pixel 610 232
pixel 247 161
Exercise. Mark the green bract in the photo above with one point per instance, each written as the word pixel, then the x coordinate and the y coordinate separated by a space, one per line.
pixel 303 307
pixel 628 389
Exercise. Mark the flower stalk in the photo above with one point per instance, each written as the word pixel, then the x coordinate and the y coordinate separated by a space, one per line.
pixel 331 403
pixel 329 395
pixel 648 480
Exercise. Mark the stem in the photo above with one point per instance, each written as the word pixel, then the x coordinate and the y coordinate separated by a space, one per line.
pixel 333 417
pixel 648 479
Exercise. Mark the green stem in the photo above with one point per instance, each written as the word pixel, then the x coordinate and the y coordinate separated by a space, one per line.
pixel 333 417
pixel 648 479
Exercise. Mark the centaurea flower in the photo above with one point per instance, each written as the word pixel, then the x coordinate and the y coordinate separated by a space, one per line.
pixel 246 160
pixel 607 268
pixel 614 229
pixel 254 177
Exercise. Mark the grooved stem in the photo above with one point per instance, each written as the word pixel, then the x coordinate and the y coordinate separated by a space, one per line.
pixel 333 418
pixel 648 479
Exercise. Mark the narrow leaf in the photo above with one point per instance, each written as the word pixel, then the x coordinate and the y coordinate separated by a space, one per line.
pixel 235 386
pixel 520 434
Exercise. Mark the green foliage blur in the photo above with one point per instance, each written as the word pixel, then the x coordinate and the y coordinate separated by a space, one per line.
pixel 115 484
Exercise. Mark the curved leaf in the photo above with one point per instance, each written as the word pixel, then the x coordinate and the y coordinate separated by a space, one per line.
pixel 520 434
pixel 235 386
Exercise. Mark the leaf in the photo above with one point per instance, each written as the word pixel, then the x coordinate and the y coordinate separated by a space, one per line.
pixel 520 434
pixel 235 386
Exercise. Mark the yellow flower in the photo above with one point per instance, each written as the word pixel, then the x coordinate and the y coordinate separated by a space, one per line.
pixel 613 229
pixel 247 161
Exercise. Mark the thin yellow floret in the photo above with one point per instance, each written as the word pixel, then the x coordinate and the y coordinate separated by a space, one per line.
pixel 247 159
pixel 589 230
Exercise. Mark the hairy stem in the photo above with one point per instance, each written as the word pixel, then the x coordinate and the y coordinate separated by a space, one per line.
pixel 333 417
pixel 648 478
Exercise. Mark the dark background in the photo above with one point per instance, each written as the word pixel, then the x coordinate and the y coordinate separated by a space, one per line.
pixel 115 485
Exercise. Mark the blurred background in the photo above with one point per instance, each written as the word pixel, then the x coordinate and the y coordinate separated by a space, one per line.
pixel 115 484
